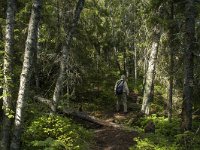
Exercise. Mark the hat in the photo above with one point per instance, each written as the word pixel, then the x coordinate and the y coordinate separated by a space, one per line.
pixel 123 77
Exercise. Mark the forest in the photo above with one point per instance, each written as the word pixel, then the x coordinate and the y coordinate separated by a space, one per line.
pixel 63 61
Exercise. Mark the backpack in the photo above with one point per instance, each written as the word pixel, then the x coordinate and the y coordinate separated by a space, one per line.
pixel 119 88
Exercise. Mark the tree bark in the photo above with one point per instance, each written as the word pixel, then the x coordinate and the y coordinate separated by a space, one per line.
pixel 149 85
pixel 126 71
pixel 30 48
pixel 36 63
pixel 60 80
pixel 92 119
pixel 134 45
pixel 66 46
pixel 145 66
pixel 8 75
pixel 135 67
pixel 116 59
pixel 171 62
pixel 188 65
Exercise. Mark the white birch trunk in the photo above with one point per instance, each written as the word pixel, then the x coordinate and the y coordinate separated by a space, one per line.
pixel 60 80
pixel 30 48
pixel 8 74
pixel 149 85
pixel 61 77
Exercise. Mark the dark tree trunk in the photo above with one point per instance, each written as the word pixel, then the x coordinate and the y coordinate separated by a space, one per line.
pixel 8 74
pixel 145 66
pixel 63 64
pixel 171 62
pixel 188 65
pixel 30 48
pixel 116 59
pixel 149 85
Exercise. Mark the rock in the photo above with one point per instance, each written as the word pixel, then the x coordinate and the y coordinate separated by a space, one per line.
pixel 150 127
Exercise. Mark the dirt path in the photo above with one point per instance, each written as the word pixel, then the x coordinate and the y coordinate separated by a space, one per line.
pixel 113 139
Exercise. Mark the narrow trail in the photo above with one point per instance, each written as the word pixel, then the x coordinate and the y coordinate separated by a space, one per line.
pixel 109 138
pixel 113 139
pixel 118 136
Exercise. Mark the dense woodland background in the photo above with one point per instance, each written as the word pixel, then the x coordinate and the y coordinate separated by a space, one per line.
pixel 62 57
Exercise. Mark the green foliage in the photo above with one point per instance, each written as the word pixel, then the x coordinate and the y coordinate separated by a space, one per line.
pixel 153 142
pixel 8 112
pixel 163 139
pixel 188 140
pixel 168 136
pixel 163 126
pixel 55 132
pixel 1 78
pixel 49 144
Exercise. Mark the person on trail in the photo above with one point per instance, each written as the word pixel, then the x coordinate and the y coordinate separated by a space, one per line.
pixel 121 91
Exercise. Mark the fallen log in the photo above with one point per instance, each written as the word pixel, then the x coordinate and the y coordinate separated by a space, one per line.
pixel 81 115
pixel 44 101
pixel 92 119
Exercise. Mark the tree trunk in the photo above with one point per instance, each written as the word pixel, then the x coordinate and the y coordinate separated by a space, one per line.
pixel 8 74
pixel 134 45
pixel 30 48
pixel 36 63
pixel 145 66
pixel 1 89
pixel 67 44
pixel 135 67
pixel 171 63
pixel 116 59
pixel 188 65
pixel 60 80
pixel 148 89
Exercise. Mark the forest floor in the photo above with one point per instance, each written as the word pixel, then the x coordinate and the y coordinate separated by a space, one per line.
pixel 110 138
pixel 113 139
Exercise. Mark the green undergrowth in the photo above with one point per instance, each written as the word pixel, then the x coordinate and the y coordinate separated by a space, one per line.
pixel 168 135
pixel 52 132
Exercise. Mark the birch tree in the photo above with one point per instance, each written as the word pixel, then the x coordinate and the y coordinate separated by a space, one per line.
pixel 8 73
pixel 65 50
pixel 150 76
pixel 30 48
pixel 148 89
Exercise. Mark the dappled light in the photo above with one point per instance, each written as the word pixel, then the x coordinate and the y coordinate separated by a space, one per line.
pixel 99 75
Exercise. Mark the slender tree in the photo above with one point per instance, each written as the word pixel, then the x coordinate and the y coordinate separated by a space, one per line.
pixel 30 48
pixel 59 82
pixel 171 60
pixel 8 73
pixel 188 65
pixel 134 43
pixel 65 51
pixel 149 85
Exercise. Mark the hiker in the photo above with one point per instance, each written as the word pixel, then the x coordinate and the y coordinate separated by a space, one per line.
pixel 121 91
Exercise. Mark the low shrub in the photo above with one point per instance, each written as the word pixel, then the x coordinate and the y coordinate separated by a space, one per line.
pixel 153 142
pixel 187 141
pixel 168 136
pixel 163 126
pixel 55 133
